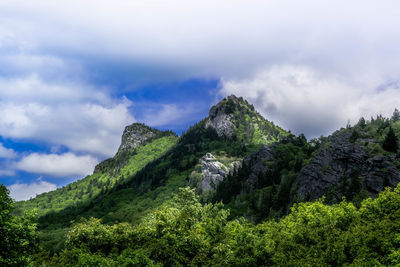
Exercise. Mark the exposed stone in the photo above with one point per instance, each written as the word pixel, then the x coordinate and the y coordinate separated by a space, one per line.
pixel 257 160
pixel 134 136
pixel 235 166
pixel 220 117
pixel 222 123
pixel 341 161
pixel 213 172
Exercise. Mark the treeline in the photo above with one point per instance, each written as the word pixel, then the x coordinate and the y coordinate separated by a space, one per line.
pixel 186 232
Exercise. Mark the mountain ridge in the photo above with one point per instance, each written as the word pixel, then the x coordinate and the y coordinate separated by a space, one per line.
pixel 234 155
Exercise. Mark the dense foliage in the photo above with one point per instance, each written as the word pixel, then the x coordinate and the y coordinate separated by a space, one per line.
pixel 123 213
pixel 17 234
pixel 270 194
pixel 112 171
pixel 184 232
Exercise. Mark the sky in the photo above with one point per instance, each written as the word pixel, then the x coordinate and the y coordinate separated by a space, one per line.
pixel 74 73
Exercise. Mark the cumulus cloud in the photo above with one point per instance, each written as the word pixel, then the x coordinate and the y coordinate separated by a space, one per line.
pixel 7 152
pixel 26 191
pixel 78 116
pixel 352 46
pixel 309 101
pixel 63 165
pixel 206 38
pixel 169 114
pixel 6 172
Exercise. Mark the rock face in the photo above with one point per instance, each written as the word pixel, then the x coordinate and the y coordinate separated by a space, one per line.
pixel 134 136
pixel 220 117
pixel 345 164
pixel 257 159
pixel 213 172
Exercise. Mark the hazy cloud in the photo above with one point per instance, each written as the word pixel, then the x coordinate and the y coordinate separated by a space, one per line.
pixel 5 172
pixel 309 101
pixel 7 152
pixel 181 39
pixel 64 165
pixel 169 114
pixel 78 116
pixel 26 191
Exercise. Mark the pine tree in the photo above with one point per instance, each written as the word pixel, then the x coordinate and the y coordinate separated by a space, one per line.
pixel 362 123
pixel 396 115
pixel 354 136
pixel 390 143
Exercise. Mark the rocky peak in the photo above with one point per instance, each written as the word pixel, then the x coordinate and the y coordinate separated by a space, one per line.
pixel 234 118
pixel 221 115
pixel 136 135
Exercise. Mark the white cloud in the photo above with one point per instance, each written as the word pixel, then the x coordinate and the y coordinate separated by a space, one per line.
pixel 168 114
pixel 63 165
pixel 80 117
pixel 309 101
pixel 353 46
pixel 6 172
pixel 209 38
pixel 26 191
pixel 7 152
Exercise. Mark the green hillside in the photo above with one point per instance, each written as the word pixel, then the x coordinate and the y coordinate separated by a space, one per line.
pixel 91 186
pixel 265 177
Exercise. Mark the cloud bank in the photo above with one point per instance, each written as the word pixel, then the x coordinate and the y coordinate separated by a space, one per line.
pixel 312 102
pixel 78 116
pixel 7 153
pixel 63 165
pixel 26 191
pixel 351 46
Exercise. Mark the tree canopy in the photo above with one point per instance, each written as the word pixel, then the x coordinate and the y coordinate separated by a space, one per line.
pixel 17 234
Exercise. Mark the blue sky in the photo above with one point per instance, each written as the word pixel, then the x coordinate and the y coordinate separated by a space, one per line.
pixel 75 73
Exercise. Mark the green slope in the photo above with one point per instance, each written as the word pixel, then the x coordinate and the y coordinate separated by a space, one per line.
pixel 91 186
pixel 138 194
pixel 128 187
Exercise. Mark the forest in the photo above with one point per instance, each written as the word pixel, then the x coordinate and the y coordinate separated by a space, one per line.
pixel 185 232
pixel 147 207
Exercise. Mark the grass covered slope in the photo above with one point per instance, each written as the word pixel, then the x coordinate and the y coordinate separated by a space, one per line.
pixel 111 172
pixel 132 195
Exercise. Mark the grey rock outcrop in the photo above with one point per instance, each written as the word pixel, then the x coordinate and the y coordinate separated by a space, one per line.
pixel 213 172
pixel 257 161
pixel 134 136
pixel 220 117
pixel 341 162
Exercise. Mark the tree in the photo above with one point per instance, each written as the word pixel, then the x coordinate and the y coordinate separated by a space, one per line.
pixel 354 136
pixel 390 143
pixel 17 234
pixel 396 115
pixel 362 123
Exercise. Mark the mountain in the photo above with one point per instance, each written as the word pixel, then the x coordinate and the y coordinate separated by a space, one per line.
pixel 234 118
pixel 140 145
pixel 232 130
pixel 151 165
pixel 257 169
pixel 351 163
